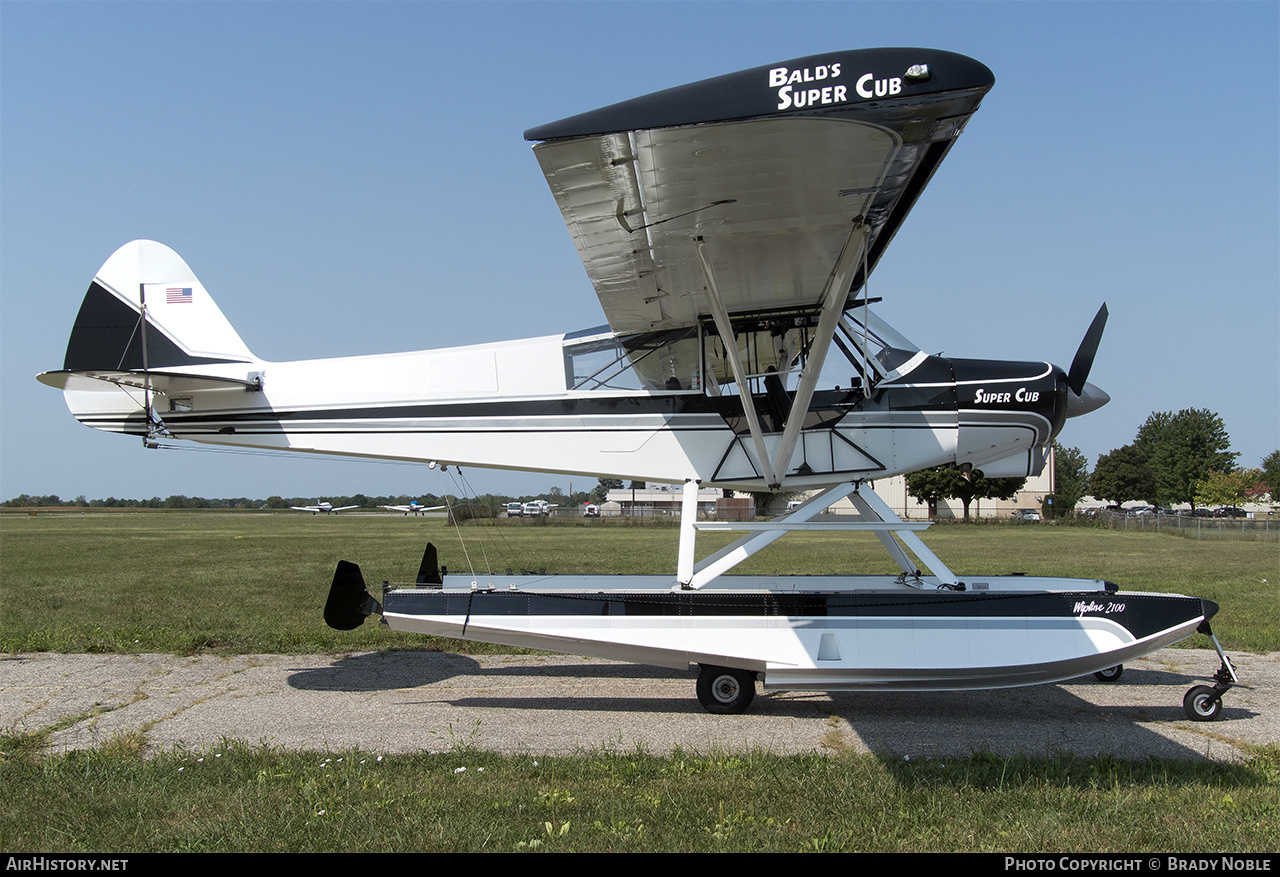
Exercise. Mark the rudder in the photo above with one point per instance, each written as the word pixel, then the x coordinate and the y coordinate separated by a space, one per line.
pixel 184 326
pixel 106 372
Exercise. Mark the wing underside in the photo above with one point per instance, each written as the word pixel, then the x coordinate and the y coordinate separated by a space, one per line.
pixel 772 196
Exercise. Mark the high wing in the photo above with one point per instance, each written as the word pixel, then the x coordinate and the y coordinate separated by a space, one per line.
pixel 773 173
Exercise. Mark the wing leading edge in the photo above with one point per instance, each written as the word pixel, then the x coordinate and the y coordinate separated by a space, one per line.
pixel 767 169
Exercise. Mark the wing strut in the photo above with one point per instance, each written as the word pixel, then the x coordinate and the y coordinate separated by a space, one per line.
pixel 834 298
pixel 725 328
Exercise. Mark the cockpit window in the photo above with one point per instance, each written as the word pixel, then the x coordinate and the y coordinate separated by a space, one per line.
pixel 652 361
pixel 892 358
pixel 772 350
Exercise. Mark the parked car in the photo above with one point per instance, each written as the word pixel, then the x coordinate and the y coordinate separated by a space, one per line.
pixel 1231 511
pixel 536 509
pixel 1026 515
pixel 591 510
pixel 515 510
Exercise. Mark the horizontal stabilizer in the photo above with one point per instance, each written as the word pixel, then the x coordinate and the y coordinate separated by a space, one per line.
pixel 116 401
pixel 168 383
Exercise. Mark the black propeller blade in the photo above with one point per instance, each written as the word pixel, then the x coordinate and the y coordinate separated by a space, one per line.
pixel 1083 361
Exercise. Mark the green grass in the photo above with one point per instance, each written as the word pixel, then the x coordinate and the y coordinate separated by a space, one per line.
pixel 193 582
pixel 236 798
pixel 188 582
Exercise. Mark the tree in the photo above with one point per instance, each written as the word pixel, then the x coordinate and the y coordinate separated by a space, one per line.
pixel 601 491
pixel 929 486
pixel 1149 433
pixel 1228 488
pixel 949 482
pixel 1070 478
pixel 1182 449
pixel 1123 475
pixel 1271 474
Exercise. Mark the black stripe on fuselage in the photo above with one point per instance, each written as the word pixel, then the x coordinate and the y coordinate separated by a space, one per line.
pixel 835 403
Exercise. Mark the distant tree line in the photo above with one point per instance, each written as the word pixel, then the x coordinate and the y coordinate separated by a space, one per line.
pixel 555 496
pixel 1175 458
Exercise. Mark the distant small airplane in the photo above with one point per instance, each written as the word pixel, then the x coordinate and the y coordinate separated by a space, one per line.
pixel 322 507
pixel 413 508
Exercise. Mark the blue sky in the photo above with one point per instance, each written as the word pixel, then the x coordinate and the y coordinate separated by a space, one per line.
pixel 350 178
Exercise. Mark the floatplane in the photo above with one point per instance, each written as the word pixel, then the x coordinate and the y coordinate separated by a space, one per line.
pixel 729 228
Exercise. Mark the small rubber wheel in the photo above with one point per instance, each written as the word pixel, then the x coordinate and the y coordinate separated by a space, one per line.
pixel 1201 704
pixel 1111 674
pixel 725 690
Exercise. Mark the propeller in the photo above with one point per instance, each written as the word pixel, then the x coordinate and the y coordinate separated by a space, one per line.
pixel 1083 362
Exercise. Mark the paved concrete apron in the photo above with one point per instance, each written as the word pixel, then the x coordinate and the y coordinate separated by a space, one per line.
pixel 414 701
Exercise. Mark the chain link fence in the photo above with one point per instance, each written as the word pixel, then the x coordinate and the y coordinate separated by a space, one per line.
pixel 1259 529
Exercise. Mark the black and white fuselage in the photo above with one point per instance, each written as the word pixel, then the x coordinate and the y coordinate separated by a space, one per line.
pixel 544 404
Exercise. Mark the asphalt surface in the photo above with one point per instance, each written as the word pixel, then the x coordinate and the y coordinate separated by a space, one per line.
pixel 412 701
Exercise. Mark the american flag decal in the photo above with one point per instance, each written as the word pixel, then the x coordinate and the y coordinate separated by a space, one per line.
pixel 178 295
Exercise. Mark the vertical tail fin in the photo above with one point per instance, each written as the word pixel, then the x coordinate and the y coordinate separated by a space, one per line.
pixel 116 358
pixel 184 326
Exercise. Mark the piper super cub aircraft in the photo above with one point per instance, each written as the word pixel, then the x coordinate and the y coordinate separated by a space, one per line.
pixel 729 228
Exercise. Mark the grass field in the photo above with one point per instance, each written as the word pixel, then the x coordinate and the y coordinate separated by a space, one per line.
pixel 238 799
pixel 189 582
